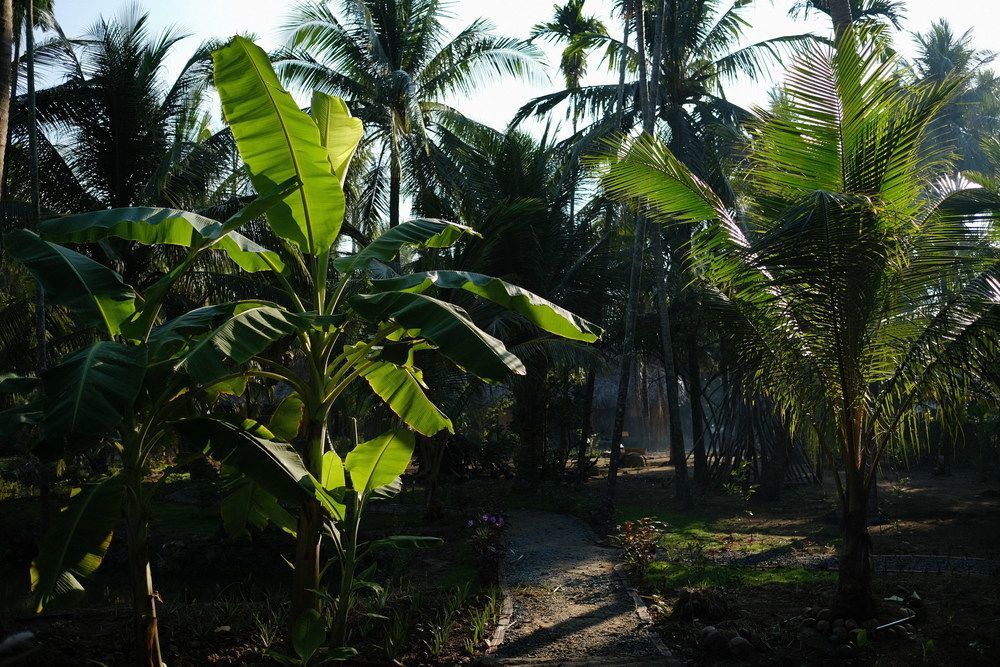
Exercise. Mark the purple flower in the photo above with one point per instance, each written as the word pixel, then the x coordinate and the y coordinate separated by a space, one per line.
pixel 471 523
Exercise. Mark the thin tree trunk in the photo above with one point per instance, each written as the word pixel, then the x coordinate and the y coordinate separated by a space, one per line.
pixel 6 75
pixel 395 179
pixel 14 80
pixel 632 304
pixel 697 410
pixel 678 456
pixel 840 12
pixel 588 408
pixel 144 619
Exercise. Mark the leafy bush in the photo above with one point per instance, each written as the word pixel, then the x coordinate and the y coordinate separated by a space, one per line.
pixel 638 540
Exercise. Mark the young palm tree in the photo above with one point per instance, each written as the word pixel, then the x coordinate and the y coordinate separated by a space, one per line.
pixel 398 67
pixel 860 287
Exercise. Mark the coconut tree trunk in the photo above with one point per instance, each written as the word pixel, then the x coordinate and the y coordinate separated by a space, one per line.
pixel 840 12
pixel 854 586
pixel 395 179
pixel 305 578
pixel 146 635
pixel 678 455
pixel 682 490
pixel 697 409
pixel 6 75
pixel 632 303
pixel 587 417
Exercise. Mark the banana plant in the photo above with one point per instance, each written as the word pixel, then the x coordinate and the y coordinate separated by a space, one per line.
pixel 352 328
pixel 122 392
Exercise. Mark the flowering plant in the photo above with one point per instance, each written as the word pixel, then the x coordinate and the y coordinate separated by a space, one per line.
pixel 487 541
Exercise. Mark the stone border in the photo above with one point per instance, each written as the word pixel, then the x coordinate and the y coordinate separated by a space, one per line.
pixel 507 608
pixel 642 611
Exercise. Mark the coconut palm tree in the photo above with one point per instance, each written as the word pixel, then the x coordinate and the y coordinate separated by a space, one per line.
pixel 844 12
pixel 12 20
pixel 396 64
pixel 514 193
pixel 941 55
pixel 859 282
pixel 579 32
pixel 114 133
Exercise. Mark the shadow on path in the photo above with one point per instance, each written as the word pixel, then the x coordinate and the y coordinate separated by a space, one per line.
pixel 568 604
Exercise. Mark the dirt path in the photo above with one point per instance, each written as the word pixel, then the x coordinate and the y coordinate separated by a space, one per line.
pixel 569 606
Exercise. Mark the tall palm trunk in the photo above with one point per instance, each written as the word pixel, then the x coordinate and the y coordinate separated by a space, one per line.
pixel 678 457
pixel 6 75
pixel 395 179
pixel 840 12
pixel 635 273
pixel 697 410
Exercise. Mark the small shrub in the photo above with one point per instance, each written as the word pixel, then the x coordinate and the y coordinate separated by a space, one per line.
pixel 638 540
pixel 487 542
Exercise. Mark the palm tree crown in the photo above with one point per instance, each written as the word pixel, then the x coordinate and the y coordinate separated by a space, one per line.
pixel 397 65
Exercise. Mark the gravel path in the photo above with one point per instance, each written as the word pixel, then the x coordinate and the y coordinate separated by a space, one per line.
pixel 569 606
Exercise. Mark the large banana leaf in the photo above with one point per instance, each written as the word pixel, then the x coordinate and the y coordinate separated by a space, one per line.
pixel 152 226
pixel 379 461
pixel 252 328
pixel 401 387
pixel 275 466
pixel 278 141
pixel 249 503
pixel 543 313
pixel 445 325
pixel 417 233
pixel 170 337
pixel 339 131
pixel 90 391
pixel 77 540
pixel 91 290
pixel 332 477
pixel 286 422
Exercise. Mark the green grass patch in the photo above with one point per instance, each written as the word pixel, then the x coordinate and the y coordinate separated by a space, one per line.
pixel 698 531
pixel 665 576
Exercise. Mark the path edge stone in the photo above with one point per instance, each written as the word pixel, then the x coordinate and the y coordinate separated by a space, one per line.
pixel 642 611
pixel 507 606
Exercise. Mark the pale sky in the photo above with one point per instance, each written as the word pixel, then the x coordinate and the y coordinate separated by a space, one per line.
pixel 496 105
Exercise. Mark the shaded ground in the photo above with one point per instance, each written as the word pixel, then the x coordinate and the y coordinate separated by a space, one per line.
pixel 767 563
pixel 568 605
